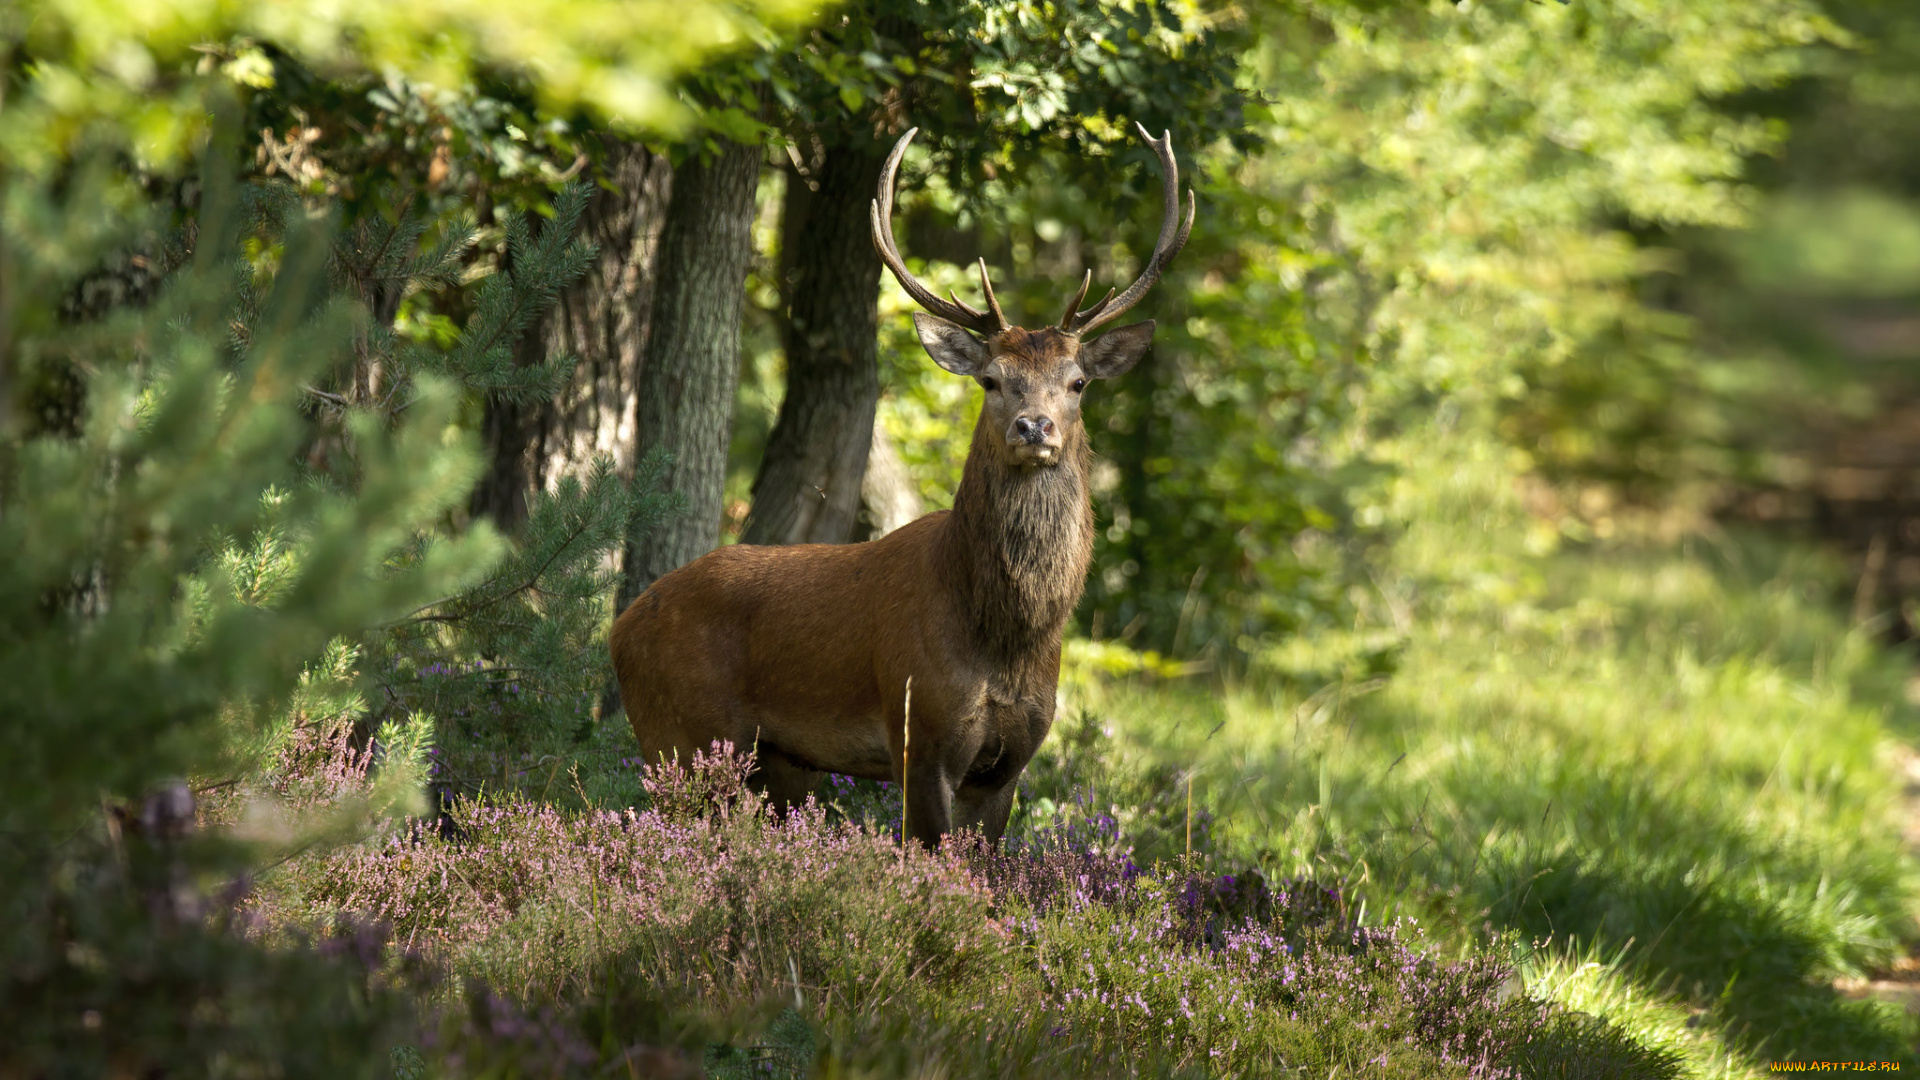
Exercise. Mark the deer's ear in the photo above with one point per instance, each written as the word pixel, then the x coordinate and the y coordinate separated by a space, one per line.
pixel 1116 351
pixel 951 346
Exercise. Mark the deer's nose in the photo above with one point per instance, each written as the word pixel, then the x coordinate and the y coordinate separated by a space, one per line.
pixel 1033 428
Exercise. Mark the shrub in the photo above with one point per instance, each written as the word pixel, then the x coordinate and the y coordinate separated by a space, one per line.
pixel 708 907
pixel 718 908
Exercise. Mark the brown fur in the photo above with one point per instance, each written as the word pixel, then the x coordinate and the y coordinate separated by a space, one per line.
pixel 804 652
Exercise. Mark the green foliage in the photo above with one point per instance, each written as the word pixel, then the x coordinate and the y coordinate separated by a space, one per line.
pixel 508 667
pixel 514 665
pixel 1798 326
pixel 192 604
pixel 997 81
pixel 116 598
pixel 511 301
pixel 172 579
pixel 131 77
pixel 1459 214
pixel 380 261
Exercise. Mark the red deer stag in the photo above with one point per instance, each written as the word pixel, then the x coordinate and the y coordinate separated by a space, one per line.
pixel 804 652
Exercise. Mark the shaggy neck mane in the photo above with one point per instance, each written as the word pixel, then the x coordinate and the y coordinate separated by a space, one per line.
pixel 1018 544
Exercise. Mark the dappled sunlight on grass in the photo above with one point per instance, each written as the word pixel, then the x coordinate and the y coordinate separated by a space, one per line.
pixel 1593 982
pixel 1680 755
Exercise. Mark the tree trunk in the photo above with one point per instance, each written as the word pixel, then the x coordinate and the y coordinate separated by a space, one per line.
pixel 808 490
pixel 692 369
pixel 602 322
pixel 888 496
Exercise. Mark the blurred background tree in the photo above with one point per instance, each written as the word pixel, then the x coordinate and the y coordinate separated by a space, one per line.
pixel 1467 212
pixel 995 87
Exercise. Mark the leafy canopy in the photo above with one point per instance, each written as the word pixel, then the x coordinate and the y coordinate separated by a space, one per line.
pixel 119 73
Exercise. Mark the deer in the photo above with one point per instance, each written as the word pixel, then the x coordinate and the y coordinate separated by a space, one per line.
pixel 819 656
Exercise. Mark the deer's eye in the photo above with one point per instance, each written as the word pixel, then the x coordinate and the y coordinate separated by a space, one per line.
pixel 989 383
pixel 1079 385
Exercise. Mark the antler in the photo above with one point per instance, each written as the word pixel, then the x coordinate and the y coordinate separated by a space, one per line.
pixel 986 323
pixel 1076 321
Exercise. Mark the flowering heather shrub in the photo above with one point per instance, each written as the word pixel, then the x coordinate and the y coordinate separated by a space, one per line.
pixel 726 907
pixel 1058 947
pixel 318 765
pixel 1140 805
pixel 1227 970
pixel 312 762
pixel 1255 998
pixel 318 773
pixel 714 780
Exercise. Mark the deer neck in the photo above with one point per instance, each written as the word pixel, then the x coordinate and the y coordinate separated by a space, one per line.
pixel 1019 543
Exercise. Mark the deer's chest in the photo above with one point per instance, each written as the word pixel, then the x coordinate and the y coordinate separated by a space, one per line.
pixel 1012 726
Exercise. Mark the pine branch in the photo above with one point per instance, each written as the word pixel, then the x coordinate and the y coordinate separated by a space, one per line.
pixel 509 304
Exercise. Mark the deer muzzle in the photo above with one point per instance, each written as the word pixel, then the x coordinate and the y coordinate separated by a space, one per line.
pixel 1034 439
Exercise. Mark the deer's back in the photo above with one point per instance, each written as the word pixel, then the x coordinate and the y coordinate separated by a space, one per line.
pixel 792 634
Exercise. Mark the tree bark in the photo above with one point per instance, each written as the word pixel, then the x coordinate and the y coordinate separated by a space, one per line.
pixel 601 320
pixel 808 489
pixel 692 368
pixel 888 495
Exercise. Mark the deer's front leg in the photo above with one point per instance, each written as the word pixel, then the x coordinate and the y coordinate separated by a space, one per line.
pixel 934 753
pixel 986 808
pixel 929 803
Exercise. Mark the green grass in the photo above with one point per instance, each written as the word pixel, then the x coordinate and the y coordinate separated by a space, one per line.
pixel 1595 982
pixel 1677 757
